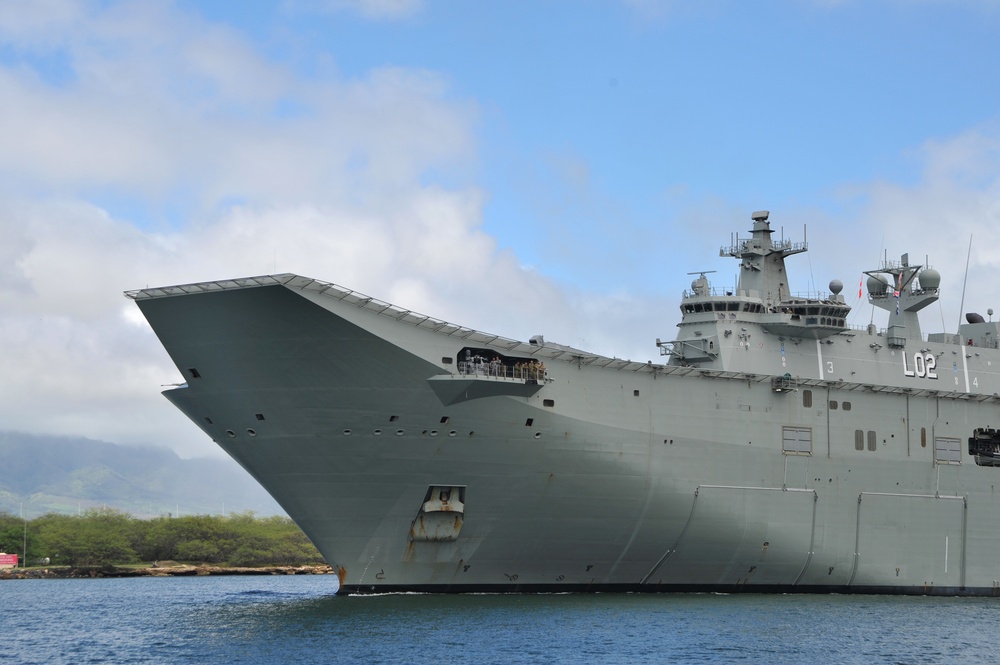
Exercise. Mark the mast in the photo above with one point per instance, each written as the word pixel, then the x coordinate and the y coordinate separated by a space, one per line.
pixel 762 262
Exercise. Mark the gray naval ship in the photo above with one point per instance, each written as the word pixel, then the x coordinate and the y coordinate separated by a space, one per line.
pixel 777 449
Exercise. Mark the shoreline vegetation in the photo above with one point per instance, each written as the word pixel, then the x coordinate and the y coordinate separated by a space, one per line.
pixel 110 543
pixel 157 569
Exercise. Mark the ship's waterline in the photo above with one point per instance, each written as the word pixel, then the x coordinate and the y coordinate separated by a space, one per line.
pixel 776 449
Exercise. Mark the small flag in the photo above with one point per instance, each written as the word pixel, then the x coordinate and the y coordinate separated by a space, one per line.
pixel 859 286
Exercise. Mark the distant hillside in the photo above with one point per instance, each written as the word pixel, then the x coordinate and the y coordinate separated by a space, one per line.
pixel 66 475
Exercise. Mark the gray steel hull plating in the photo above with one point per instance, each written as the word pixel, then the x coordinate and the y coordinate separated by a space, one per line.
pixel 606 477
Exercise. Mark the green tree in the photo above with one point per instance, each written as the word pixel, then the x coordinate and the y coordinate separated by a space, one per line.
pixel 102 537
pixel 12 534
pixel 98 537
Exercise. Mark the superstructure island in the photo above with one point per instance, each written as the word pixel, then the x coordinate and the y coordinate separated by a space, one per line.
pixel 777 449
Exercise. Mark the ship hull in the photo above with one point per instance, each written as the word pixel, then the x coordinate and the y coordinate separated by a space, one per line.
pixel 410 475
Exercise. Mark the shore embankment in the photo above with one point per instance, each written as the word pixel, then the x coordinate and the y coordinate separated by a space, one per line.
pixel 156 570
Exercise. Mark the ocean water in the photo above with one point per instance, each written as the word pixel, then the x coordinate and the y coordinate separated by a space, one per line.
pixel 297 619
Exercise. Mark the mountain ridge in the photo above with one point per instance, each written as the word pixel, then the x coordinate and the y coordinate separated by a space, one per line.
pixel 62 474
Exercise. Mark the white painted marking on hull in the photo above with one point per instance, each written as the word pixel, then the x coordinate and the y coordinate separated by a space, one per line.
pixel 965 369
pixel 819 357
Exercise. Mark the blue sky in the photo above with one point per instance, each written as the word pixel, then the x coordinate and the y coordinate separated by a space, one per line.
pixel 548 167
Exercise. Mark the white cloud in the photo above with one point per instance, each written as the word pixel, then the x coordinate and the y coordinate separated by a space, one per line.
pixel 955 196
pixel 372 9
pixel 957 199
pixel 159 104
pixel 39 24
pixel 162 106
pixel 77 363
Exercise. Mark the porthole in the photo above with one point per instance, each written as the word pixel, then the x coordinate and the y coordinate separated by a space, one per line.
pixel 230 433
pixel 452 433
pixel 538 435
pixel 251 431
pixel 377 432
pixel 472 433
pixel 434 432
pixel 347 432
pixel 400 432
pixel 424 433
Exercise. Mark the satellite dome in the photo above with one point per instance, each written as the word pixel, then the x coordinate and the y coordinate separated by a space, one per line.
pixel 836 286
pixel 877 285
pixel 930 279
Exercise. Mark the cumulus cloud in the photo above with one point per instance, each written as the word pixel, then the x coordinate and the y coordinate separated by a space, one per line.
pixel 271 173
pixel 372 9
pixel 956 199
pixel 80 361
